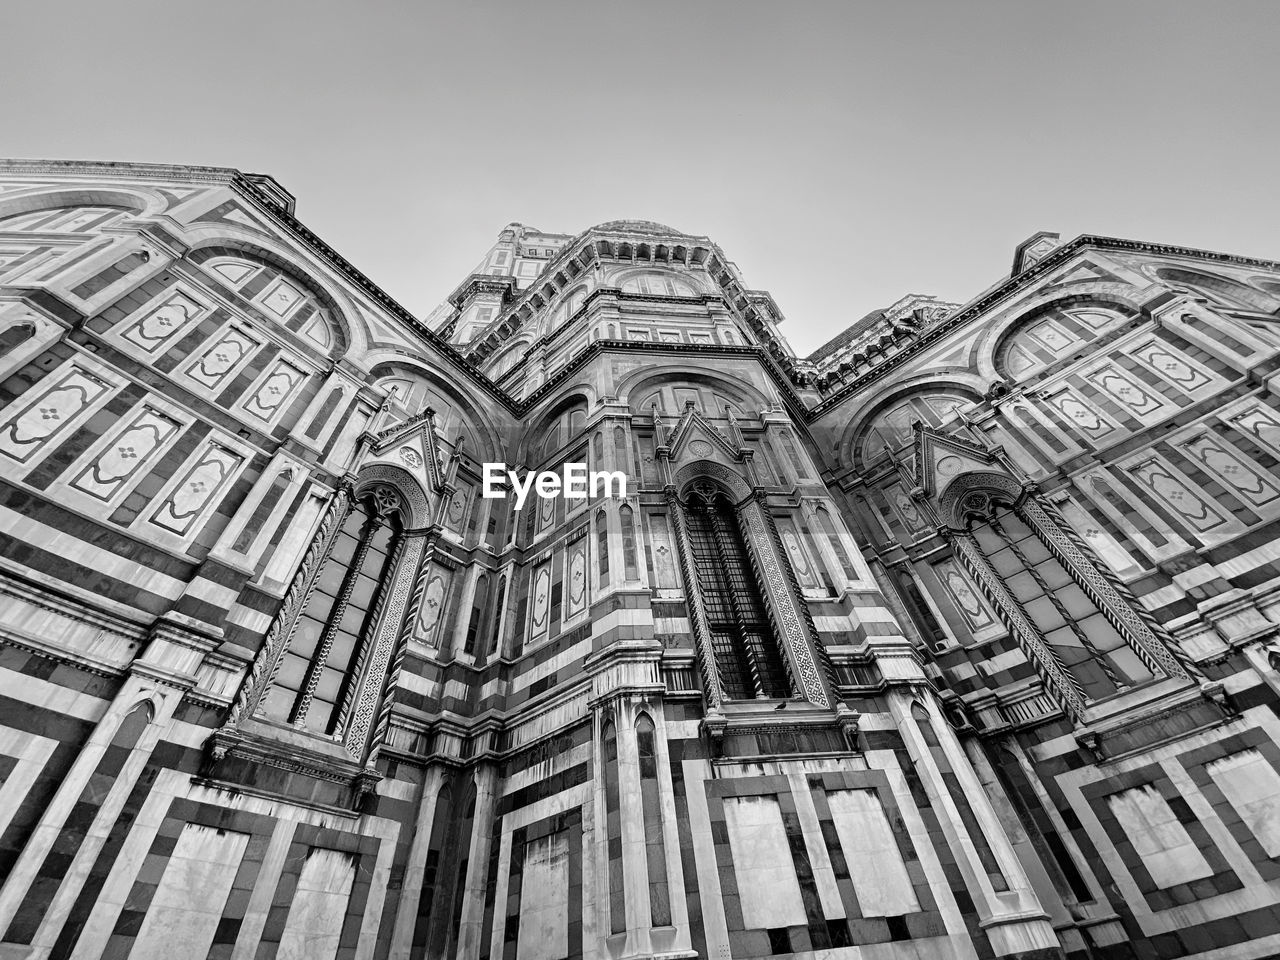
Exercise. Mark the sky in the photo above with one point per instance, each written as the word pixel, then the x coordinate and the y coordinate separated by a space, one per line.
pixel 842 154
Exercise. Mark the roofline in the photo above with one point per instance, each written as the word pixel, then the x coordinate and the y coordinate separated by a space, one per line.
pixel 1013 285
pixel 242 184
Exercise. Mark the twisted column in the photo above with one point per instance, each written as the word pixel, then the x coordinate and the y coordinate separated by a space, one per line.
pixel 711 688
pixel 267 663
pixel 1153 644
pixel 1060 684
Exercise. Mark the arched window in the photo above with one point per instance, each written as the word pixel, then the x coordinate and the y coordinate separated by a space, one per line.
pixel 651 811
pixel 499 602
pixel 613 831
pixel 620 459
pixel 626 519
pixel 1089 648
pixel 747 654
pixel 602 545
pixel 658 285
pixel 478 606
pixel 317 673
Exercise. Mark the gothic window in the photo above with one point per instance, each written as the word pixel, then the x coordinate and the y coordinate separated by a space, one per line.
pixel 747 654
pixel 613 831
pixel 891 427
pixel 317 672
pixel 499 602
pixel 651 810
pixel 620 459
pixel 602 545
pixel 1089 648
pixel 477 613
pixel 626 519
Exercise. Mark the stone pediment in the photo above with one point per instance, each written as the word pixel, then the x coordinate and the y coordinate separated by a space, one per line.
pixel 694 438
pixel 941 457
pixel 414 445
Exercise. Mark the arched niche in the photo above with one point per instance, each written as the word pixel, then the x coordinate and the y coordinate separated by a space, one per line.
pixel 457 413
pixel 281 291
pixel 889 424
pixel 1060 331
pixel 563 419
pixel 672 386
pixel 657 283
pixel 1118 296
pixel 137 203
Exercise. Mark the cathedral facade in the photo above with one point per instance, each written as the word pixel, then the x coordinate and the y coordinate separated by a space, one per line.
pixel 954 639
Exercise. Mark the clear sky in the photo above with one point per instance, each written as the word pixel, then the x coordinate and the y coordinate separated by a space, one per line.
pixel 843 154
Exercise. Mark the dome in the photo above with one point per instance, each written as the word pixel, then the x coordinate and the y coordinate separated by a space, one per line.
pixel 638 226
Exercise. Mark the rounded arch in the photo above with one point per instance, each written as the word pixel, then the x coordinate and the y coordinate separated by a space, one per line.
pixel 887 424
pixel 1053 332
pixel 1101 294
pixel 415 505
pixel 698 471
pixel 457 412
pixel 136 202
pixel 1216 287
pixel 635 389
pixel 666 281
pixel 345 337
pixel 565 305
pixel 1268 285
pixel 971 493
pixel 507 356
pixel 555 424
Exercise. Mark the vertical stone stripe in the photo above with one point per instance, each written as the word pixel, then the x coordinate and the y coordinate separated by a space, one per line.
pixel 58 860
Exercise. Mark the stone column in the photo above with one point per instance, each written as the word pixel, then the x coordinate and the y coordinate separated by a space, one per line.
pixel 1014 919
pixel 471 930
pixel 415 868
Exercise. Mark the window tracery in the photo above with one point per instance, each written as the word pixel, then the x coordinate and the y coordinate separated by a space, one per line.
pixel 748 655
pixel 318 670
